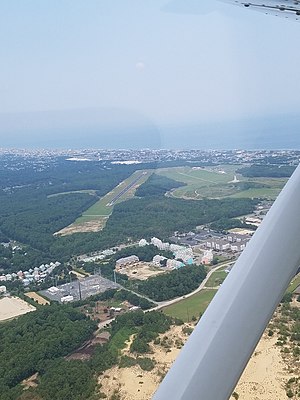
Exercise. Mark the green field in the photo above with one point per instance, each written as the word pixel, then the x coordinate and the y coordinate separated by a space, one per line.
pixel 102 209
pixel 191 307
pixel 216 279
pixel 216 182
pixel 294 284
pixel 266 193
pixel 209 182
pixel 274 187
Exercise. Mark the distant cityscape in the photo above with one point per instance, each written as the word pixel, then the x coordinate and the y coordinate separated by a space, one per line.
pixel 40 158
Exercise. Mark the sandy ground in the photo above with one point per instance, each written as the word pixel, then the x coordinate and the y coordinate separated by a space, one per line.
pixel 31 382
pixel 90 226
pixel 265 374
pixel 134 383
pixel 11 307
pixel 37 297
pixel 139 270
pixel 263 378
pixel 241 231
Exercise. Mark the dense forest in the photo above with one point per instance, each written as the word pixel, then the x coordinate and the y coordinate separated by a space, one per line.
pixel 156 216
pixel 173 284
pixel 157 185
pixel 37 341
pixel 31 215
pixel 224 224
pixel 28 342
pixel 271 171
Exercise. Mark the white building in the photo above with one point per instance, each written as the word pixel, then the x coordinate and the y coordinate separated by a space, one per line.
pixel 238 246
pixel 127 260
pixel 143 243
pixel 174 264
pixel 176 247
pixel 217 244
pixel 157 260
pixel 67 299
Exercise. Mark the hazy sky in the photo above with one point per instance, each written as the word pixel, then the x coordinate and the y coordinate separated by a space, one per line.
pixel 167 62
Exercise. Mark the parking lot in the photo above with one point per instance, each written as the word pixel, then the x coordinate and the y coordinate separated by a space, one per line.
pixel 87 287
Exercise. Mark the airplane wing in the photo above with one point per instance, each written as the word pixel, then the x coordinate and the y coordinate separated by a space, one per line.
pixel 285 8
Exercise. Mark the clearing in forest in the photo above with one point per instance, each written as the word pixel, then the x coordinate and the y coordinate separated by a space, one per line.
pixel 95 217
pixel 11 307
pixel 220 181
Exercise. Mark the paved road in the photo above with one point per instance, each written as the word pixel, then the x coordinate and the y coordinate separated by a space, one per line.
pixel 163 304
pixel 201 286
pixel 123 191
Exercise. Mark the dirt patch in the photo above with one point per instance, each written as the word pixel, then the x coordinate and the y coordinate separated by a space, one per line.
pixel 79 274
pixel 30 382
pixel 11 307
pixel 140 270
pixel 36 297
pixel 89 226
pixel 87 349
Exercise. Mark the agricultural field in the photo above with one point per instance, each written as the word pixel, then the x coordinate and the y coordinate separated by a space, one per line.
pixel 192 306
pixel 220 181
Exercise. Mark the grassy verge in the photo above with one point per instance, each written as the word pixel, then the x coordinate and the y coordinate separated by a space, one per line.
pixel 294 284
pixel 192 306
pixel 216 278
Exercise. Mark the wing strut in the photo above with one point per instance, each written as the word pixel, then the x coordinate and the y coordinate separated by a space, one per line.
pixel 213 359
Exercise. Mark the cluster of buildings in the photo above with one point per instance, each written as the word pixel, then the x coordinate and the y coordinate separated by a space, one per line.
pixel 231 242
pixel 97 256
pixel 182 255
pixel 41 158
pixel 122 262
pixel 38 274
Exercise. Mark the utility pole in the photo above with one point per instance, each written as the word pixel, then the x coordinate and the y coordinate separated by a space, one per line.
pixel 79 289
